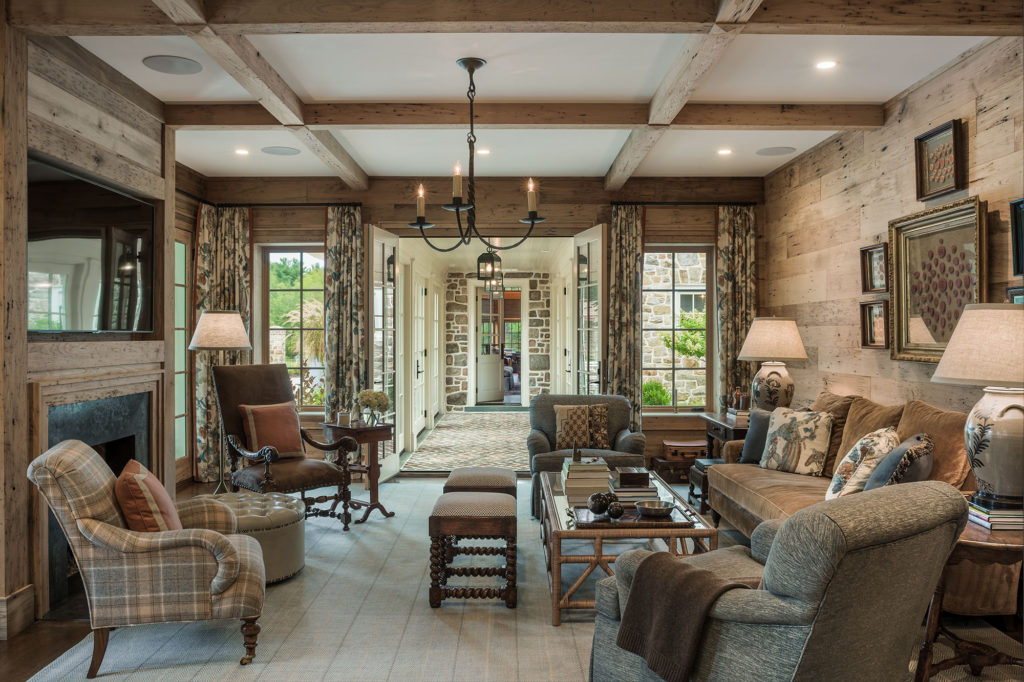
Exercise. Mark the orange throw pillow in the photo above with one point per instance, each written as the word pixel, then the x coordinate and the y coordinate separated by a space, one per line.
pixel 143 500
pixel 276 425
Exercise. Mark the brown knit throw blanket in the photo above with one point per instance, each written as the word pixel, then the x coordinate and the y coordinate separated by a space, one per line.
pixel 664 616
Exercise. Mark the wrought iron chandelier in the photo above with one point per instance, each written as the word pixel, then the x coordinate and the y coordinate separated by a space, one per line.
pixel 489 262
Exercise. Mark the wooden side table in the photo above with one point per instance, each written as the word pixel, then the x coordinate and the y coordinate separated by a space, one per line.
pixel 720 429
pixel 369 436
pixel 980 546
pixel 699 487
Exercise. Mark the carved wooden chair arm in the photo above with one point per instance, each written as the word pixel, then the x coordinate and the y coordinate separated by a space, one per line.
pixel 346 443
pixel 267 453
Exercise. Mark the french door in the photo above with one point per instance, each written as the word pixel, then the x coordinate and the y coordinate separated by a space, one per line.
pixel 588 274
pixel 385 349
pixel 490 379
pixel 418 355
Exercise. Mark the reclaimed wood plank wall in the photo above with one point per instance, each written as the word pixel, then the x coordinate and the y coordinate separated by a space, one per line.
pixel 829 202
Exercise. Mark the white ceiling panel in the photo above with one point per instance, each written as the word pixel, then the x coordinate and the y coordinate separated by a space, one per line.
pixel 535 152
pixel 212 153
pixel 870 69
pixel 421 67
pixel 694 153
pixel 125 53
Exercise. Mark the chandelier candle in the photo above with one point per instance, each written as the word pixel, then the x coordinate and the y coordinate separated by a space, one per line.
pixel 420 203
pixel 457 183
pixel 531 197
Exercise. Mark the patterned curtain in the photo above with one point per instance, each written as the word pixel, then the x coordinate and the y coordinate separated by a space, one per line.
pixel 222 281
pixel 624 278
pixel 345 369
pixel 736 289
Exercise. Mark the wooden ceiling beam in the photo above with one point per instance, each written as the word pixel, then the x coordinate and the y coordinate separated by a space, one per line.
pixel 736 11
pixel 578 116
pixel 633 152
pixel 183 11
pixel 327 148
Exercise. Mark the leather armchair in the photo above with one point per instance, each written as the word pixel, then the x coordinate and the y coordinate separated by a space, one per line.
pixel 851 575
pixel 627 447
pixel 264 471
pixel 133 578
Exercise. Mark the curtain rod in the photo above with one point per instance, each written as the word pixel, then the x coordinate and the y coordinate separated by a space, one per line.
pixel 216 205
pixel 684 203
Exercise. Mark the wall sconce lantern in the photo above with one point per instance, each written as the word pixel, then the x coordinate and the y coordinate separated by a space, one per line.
pixel 389 269
pixel 583 269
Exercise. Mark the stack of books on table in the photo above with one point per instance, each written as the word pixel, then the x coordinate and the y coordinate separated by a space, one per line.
pixel 631 485
pixel 997 519
pixel 582 479
pixel 738 417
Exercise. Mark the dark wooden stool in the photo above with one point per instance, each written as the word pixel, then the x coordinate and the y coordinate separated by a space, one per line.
pixel 463 516
pixel 481 480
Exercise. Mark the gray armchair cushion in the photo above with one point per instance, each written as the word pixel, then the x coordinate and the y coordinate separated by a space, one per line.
pixel 762 538
pixel 542 412
pixel 627 441
pixel 537 443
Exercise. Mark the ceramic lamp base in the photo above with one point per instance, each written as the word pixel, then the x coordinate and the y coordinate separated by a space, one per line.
pixel 772 386
pixel 994 437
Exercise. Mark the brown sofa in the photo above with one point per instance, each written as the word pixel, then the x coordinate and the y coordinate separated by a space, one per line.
pixel 744 495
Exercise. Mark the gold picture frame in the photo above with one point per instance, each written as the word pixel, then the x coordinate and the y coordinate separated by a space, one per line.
pixel 936 267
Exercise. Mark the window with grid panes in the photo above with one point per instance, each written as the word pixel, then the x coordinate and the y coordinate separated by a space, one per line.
pixel 182 324
pixel 293 327
pixel 675 293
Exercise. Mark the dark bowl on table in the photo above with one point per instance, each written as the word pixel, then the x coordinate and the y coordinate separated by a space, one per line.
pixel 655 508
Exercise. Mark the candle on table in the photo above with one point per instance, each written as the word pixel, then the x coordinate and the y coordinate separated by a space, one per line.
pixel 531 198
pixel 420 209
pixel 457 182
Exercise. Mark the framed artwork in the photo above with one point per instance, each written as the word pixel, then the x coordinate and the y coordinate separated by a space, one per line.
pixel 1017 235
pixel 1015 294
pixel 937 267
pixel 874 266
pixel 874 324
pixel 940 160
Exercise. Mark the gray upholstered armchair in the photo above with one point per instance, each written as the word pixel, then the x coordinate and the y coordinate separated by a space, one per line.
pixel 627 447
pixel 846 586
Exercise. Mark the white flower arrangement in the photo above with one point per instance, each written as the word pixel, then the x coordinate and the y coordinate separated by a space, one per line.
pixel 374 400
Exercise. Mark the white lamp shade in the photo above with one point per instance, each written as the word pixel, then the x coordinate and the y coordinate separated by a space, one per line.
pixel 220 330
pixel 772 338
pixel 987 347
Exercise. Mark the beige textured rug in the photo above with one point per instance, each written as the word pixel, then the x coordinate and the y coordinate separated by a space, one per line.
pixel 474 439
pixel 359 611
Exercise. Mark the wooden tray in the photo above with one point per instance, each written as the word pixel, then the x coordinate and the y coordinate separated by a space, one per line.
pixel 588 519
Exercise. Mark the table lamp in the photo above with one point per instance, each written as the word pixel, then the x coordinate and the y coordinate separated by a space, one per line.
pixel 986 348
pixel 220 330
pixel 770 341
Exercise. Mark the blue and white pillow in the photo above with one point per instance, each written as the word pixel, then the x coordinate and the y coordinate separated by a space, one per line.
pixel 854 470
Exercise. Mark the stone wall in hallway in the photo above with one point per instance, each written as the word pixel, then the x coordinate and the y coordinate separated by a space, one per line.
pixel 536 289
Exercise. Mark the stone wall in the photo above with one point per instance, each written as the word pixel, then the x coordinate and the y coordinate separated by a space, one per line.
pixel 536 289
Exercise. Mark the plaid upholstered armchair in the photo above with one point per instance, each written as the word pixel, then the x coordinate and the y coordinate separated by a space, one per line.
pixel 202 572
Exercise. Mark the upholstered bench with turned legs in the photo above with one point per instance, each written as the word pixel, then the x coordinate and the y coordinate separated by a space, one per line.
pixel 481 480
pixel 464 516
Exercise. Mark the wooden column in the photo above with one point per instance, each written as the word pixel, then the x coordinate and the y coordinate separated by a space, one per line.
pixel 16 595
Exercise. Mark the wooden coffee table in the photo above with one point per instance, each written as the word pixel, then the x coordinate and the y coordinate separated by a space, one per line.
pixel 556 526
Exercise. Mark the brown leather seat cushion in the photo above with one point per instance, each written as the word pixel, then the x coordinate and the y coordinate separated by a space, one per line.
pixel 290 475
pixel 767 493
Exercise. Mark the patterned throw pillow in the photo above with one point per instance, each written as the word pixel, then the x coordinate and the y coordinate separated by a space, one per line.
pixel 572 426
pixel 854 470
pixel 276 425
pixel 599 426
pixel 144 501
pixel 797 441
pixel 910 462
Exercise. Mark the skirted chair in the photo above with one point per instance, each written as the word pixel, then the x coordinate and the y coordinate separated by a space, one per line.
pixel 202 572
pixel 627 448
pixel 846 584
pixel 265 471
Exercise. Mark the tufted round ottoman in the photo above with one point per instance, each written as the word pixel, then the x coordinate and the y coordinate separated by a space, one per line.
pixel 481 480
pixel 277 521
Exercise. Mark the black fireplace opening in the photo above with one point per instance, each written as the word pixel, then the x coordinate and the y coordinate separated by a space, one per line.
pixel 118 429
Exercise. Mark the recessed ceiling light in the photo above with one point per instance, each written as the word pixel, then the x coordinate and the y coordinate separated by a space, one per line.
pixel 826 64
pixel 775 151
pixel 280 151
pixel 169 63
pixel 724 152
pixel 484 152
pixel 242 152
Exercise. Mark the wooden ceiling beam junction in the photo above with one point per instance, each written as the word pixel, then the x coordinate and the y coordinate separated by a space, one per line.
pixel 327 148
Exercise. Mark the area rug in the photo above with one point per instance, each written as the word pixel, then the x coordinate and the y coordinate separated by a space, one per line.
pixel 474 439
pixel 359 611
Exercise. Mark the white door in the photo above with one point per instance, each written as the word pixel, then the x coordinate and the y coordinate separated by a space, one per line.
pixel 418 355
pixel 490 379
pixel 590 311
pixel 385 344
pixel 436 386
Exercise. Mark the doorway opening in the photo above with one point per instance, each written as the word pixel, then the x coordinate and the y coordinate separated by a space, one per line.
pixel 499 376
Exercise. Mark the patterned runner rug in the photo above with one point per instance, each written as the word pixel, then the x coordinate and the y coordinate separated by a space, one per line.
pixel 474 439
